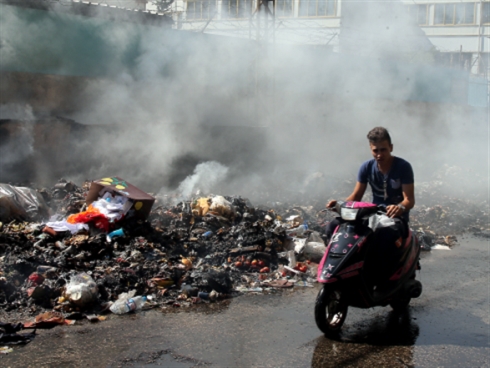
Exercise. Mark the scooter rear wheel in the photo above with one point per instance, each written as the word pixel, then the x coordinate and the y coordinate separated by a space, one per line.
pixel 330 311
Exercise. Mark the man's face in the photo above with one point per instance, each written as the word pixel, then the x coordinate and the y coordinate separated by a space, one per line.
pixel 381 151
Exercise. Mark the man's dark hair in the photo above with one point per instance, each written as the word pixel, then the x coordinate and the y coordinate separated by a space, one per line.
pixel 378 134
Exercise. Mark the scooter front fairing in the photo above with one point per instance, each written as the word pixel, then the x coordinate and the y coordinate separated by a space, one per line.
pixel 342 258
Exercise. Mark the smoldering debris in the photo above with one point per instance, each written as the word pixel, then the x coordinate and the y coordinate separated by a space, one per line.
pixel 201 250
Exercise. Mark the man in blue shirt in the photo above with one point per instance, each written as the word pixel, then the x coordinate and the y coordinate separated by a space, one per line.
pixel 392 182
pixel 390 177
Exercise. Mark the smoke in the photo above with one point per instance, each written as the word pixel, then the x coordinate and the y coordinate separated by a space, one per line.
pixel 206 177
pixel 15 111
pixel 16 139
pixel 183 110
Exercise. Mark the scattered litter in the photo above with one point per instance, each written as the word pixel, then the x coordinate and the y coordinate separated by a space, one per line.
pixel 127 303
pixel 81 290
pixel 440 247
pixel 128 245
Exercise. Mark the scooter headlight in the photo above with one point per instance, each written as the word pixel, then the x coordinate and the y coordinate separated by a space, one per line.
pixel 348 214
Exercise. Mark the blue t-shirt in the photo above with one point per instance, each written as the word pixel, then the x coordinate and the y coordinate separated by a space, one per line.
pixel 387 189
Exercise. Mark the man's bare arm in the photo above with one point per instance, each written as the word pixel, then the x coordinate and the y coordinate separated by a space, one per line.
pixel 408 202
pixel 408 196
pixel 356 195
pixel 358 192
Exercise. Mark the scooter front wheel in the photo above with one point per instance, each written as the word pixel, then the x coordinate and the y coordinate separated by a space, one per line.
pixel 330 310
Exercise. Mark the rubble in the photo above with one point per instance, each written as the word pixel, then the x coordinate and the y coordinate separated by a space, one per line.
pixel 197 251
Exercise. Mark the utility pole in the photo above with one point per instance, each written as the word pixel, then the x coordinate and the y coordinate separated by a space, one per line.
pixel 262 30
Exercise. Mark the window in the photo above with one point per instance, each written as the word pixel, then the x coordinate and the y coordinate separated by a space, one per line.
pixel 236 8
pixel 284 8
pixel 439 14
pixel 465 13
pixel 462 13
pixel 200 9
pixel 418 13
pixel 485 13
pixel 317 8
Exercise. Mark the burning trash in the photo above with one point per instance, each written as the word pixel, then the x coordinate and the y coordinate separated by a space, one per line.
pixel 110 247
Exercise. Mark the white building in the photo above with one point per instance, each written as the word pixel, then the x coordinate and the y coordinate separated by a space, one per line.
pixel 125 4
pixel 459 30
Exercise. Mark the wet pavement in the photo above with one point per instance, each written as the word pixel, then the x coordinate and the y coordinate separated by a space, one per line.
pixel 448 326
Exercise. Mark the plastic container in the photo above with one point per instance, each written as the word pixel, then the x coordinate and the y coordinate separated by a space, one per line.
pixel 123 306
pixel 115 233
pixel 203 295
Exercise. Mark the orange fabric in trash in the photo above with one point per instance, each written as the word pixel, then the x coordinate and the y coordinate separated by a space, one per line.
pixel 91 215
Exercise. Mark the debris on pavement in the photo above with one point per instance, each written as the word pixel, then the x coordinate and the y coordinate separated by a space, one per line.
pixel 202 250
pixel 9 336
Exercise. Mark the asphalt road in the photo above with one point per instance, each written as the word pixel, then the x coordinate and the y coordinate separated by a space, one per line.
pixel 448 326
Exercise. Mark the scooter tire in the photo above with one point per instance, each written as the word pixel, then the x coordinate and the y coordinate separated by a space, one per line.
pixel 330 311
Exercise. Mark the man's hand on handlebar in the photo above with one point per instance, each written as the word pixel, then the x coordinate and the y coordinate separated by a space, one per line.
pixel 331 204
pixel 393 211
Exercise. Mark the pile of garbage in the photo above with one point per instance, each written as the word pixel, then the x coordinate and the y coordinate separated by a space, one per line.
pixel 109 247
pixel 73 252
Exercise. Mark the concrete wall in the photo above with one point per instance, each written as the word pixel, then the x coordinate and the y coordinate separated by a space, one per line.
pixel 46 94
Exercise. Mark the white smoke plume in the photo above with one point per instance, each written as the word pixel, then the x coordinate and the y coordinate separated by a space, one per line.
pixel 272 119
pixel 205 177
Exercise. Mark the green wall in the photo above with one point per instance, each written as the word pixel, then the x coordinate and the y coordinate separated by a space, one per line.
pixel 48 42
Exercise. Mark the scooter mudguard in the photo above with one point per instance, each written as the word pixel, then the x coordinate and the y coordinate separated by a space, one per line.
pixel 334 265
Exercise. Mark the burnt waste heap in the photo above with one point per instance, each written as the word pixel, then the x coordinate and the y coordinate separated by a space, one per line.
pixel 63 257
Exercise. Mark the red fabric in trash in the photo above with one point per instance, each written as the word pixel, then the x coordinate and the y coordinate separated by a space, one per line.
pixel 91 215
pixel 36 278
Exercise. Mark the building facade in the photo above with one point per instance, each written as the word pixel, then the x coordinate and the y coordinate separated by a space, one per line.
pixel 126 4
pixel 458 30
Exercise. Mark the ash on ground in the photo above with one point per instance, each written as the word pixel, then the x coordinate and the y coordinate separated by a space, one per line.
pixel 203 250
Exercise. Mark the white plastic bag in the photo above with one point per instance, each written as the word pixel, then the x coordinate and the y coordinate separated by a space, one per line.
pixel 378 221
pixel 66 226
pixel 314 251
pixel 220 205
pixel 81 290
pixel 21 203
pixel 299 245
pixel 315 247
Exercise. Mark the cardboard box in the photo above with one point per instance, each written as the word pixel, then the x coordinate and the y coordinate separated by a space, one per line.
pixel 142 202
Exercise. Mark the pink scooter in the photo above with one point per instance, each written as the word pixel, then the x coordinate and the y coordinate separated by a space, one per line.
pixel 350 268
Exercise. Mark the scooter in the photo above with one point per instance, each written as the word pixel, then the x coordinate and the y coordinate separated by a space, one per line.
pixel 350 268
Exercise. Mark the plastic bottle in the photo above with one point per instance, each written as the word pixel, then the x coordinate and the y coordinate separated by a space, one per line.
pixel 118 232
pixel 298 231
pixel 123 306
